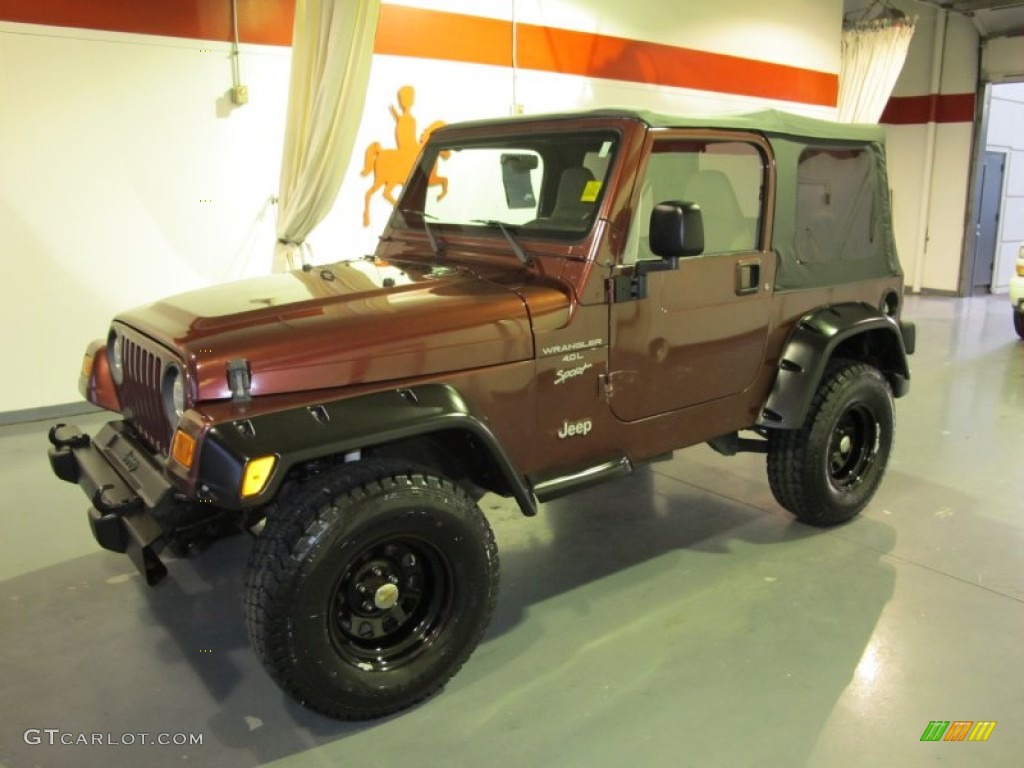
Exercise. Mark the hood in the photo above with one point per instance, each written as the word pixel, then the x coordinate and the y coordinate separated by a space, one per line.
pixel 347 323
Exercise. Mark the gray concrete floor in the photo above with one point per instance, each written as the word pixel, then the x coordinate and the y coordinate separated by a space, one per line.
pixel 679 617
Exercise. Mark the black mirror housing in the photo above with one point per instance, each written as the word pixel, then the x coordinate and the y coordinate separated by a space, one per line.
pixel 677 229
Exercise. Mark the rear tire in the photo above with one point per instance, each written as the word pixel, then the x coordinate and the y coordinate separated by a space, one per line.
pixel 1018 323
pixel 369 588
pixel 826 472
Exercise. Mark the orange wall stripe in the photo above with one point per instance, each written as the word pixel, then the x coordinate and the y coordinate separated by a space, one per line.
pixel 933 108
pixel 403 31
pixel 617 58
pixel 267 22
pixel 413 32
pixel 425 34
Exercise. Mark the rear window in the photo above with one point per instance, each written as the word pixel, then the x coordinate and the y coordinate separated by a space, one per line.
pixel 835 212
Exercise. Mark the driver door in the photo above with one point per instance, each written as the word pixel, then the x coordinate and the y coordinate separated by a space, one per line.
pixel 697 332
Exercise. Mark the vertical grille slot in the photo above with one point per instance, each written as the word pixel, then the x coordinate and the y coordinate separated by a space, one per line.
pixel 140 394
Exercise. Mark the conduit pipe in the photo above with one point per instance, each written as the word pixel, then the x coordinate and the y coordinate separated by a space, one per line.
pixel 517 108
pixel 934 93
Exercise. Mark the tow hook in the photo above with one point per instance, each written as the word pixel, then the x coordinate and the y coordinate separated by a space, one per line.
pixel 121 508
pixel 77 440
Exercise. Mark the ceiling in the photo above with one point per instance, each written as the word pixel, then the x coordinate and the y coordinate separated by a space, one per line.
pixel 993 18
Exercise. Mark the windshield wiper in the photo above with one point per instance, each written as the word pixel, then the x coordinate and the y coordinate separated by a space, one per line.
pixel 435 244
pixel 517 249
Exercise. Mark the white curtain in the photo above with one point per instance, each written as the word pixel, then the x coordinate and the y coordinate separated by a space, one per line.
pixel 332 49
pixel 873 55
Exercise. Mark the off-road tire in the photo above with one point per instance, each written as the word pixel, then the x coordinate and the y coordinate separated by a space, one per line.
pixel 1018 323
pixel 369 587
pixel 826 472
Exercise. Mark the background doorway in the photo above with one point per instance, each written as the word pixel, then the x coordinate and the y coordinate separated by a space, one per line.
pixel 996 228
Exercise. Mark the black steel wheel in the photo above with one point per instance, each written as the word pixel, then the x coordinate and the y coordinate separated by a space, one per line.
pixel 369 588
pixel 852 448
pixel 826 472
pixel 390 603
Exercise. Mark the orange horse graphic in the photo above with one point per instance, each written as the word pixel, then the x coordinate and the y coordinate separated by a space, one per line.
pixel 391 167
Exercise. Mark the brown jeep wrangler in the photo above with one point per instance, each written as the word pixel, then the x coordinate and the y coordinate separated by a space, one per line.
pixel 556 301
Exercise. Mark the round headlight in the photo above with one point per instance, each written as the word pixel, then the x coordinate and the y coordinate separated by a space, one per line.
pixel 115 356
pixel 173 390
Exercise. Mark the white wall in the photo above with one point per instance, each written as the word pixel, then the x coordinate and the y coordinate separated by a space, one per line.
pixel 1006 134
pixel 1003 59
pixel 930 250
pixel 125 174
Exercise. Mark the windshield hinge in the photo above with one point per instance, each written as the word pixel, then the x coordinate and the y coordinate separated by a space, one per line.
pixel 627 288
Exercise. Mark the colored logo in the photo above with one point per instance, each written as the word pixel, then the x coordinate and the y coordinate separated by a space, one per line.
pixel 391 166
pixel 958 730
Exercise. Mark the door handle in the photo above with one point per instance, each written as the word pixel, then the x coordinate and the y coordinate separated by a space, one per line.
pixel 748 277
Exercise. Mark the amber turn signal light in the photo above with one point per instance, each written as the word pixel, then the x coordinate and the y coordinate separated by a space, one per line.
pixel 183 449
pixel 257 474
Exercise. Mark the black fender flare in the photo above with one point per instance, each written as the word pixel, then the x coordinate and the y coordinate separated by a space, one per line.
pixel 333 428
pixel 814 341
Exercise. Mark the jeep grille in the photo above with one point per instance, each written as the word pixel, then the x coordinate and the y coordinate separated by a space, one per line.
pixel 141 402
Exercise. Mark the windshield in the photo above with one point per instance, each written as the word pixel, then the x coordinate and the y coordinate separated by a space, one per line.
pixel 545 185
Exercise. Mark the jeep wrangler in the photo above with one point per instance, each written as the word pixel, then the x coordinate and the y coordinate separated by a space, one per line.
pixel 555 301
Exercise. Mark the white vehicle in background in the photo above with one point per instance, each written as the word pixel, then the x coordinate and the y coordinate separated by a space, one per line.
pixel 1017 294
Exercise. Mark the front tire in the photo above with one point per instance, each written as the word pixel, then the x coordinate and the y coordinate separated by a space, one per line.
pixel 369 588
pixel 1018 323
pixel 826 472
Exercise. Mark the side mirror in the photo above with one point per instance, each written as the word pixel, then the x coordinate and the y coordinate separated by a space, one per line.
pixel 677 229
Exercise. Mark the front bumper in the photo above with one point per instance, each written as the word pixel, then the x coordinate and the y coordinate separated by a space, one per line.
pixel 1017 294
pixel 126 487
pixel 1017 284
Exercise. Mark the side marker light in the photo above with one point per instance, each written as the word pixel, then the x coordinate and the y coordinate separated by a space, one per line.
pixel 257 474
pixel 183 449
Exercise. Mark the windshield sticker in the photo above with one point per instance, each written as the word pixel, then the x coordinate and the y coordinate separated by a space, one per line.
pixel 606 148
pixel 591 191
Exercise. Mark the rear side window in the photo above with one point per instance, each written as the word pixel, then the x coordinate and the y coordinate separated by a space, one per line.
pixel 835 212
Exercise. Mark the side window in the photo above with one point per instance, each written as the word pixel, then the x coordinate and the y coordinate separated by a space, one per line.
pixel 835 218
pixel 725 178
